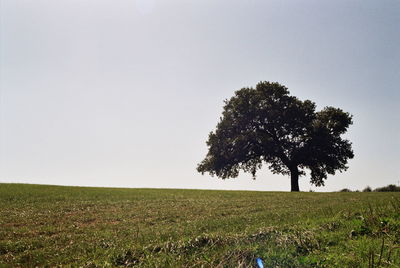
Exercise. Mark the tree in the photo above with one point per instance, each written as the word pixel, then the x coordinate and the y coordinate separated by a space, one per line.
pixel 267 125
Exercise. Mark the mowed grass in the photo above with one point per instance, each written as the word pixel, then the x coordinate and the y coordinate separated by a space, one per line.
pixel 98 227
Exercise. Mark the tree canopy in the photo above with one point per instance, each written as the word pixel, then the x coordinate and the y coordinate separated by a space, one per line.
pixel 266 125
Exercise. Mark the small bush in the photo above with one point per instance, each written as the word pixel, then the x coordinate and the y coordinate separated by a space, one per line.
pixel 345 190
pixel 367 189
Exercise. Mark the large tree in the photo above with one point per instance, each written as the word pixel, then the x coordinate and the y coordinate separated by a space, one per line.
pixel 267 125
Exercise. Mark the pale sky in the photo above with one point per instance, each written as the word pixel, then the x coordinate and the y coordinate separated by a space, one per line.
pixel 123 93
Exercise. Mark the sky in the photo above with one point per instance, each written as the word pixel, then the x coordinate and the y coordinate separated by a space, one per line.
pixel 123 93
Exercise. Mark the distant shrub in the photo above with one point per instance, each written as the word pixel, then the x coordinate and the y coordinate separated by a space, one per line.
pixel 389 188
pixel 367 189
pixel 345 190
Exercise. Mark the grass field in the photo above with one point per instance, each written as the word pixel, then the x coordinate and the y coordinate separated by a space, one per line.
pixel 54 225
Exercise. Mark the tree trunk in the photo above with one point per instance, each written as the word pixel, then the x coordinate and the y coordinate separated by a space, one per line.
pixel 294 179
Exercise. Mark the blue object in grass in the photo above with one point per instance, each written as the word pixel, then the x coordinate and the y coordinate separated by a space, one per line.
pixel 259 263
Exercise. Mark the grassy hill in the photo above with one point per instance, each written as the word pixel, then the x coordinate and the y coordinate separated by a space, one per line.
pixel 55 225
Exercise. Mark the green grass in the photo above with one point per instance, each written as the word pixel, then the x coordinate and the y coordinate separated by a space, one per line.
pixel 53 225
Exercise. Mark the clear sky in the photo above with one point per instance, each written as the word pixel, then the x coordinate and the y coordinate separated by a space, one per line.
pixel 124 93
